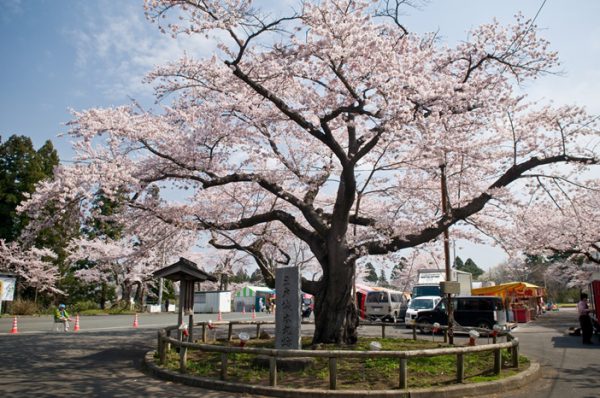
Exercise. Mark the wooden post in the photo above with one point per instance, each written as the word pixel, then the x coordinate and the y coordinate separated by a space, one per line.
pixel 403 373
pixel 257 330
pixel 460 368
pixel 182 287
pixel 223 366
pixel 162 349
pixel 382 330
pixel 204 333
pixel 182 358
pixel 272 371
pixel 497 361
pixel 414 330
pixel 230 332
pixel 445 335
pixel 191 327
pixel 515 356
pixel 332 373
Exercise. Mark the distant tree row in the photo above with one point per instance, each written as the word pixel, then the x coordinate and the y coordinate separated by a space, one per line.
pixel 400 277
pixel 468 266
pixel 241 276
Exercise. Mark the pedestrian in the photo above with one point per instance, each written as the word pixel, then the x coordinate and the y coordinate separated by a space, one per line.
pixel 62 316
pixel 584 319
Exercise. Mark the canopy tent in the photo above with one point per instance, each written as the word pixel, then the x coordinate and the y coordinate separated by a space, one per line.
pixel 248 297
pixel 251 291
pixel 512 289
pixel 523 300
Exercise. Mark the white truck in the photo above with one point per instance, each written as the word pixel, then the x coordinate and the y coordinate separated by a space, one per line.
pixel 428 282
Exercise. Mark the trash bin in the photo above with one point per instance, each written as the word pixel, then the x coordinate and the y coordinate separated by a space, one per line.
pixel 521 315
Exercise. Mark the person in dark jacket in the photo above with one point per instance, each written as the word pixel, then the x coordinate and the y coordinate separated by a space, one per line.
pixel 584 319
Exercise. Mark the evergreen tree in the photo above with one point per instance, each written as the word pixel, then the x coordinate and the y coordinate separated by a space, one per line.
pixel 371 273
pixel 396 273
pixel 382 279
pixel 458 263
pixel 470 266
pixel 240 276
pixel 256 276
pixel 21 168
pixel 101 225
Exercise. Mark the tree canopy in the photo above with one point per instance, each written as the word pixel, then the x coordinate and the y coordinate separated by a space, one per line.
pixel 468 266
pixel 326 130
pixel 21 168
pixel 371 274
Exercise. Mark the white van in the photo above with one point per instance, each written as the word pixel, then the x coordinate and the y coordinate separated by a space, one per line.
pixel 417 304
pixel 386 305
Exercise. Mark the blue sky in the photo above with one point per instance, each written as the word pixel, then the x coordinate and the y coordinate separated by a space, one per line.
pixel 62 54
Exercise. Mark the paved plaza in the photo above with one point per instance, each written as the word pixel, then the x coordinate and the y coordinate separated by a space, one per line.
pixel 104 358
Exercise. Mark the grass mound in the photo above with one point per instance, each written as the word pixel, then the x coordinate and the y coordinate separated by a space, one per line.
pixel 352 373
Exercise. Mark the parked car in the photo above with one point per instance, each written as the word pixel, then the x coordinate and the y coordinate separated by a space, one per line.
pixel 386 305
pixel 476 311
pixel 417 304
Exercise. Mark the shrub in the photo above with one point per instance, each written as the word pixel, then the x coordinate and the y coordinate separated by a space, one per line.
pixel 23 307
pixel 81 306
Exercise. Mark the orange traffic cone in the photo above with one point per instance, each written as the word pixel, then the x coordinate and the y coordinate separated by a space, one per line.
pixel 14 329
pixel 219 317
pixel 76 328
pixel 135 321
pixel 253 314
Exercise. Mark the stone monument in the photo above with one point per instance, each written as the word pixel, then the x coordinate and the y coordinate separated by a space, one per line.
pixel 288 317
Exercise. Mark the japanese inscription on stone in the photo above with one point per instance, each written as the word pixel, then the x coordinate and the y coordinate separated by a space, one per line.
pixel 288 316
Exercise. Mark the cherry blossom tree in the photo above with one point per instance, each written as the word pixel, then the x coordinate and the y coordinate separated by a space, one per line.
pixel 33 267
pixel 128 262
pixel 569 223
pixel 333 123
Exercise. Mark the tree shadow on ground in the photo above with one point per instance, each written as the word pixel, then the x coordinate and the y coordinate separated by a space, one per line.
pixel 90 364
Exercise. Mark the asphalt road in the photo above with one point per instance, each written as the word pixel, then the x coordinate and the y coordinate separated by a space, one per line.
pixel 569 368
pixel 104 358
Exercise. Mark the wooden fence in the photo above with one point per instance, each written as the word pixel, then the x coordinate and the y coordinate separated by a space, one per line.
pixel 165 342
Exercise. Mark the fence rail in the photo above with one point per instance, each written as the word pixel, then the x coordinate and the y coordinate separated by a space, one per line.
pixel 165 342
pixel 383 325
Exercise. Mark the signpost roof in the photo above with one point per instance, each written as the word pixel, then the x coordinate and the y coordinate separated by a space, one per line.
pixel 184 269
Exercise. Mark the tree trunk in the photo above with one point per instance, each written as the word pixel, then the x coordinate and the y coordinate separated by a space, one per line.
pixel 103 296
pixel 336 316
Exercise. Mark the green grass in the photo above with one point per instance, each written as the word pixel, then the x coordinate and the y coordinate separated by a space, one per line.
pixel 353 373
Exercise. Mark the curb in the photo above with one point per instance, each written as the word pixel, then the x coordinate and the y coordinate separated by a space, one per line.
pixel 455 391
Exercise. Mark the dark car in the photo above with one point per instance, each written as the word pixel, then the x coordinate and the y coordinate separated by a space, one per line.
pixel 475 311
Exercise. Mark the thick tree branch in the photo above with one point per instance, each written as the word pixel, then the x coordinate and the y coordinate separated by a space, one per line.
pixel 475 205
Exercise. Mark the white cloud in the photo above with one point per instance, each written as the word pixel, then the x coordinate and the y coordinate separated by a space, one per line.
pixel 116 46
pixel 10 8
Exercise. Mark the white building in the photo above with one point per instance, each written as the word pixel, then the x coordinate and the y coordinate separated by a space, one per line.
pixel 212 302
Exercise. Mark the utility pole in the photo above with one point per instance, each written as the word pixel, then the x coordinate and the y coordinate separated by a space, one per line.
pixel 447 255
pixel 161 280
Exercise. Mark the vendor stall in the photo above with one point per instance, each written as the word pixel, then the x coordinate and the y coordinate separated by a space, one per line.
pixel 524 301
pixel 249 298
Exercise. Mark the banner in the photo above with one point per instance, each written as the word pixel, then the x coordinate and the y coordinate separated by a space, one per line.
pixel 7 288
